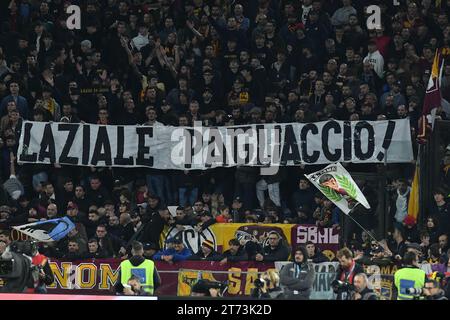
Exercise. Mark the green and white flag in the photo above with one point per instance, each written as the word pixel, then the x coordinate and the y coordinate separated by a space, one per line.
pixel 337 185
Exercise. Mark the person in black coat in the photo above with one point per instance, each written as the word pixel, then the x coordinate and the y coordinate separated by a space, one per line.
pixel 303 196
pixel 80 199
pixel 314 253
pixel 432 228
pixel 297 278
pixel 94 250
pixel 441 209
pixel 346 272
pixel 152 228
pixel 126 227
pixel 275 251
pixel 73 251
pixel 97 194
pixel 109 244
pixel 235 253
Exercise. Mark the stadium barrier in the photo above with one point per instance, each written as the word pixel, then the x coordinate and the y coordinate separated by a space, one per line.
pixel 98 277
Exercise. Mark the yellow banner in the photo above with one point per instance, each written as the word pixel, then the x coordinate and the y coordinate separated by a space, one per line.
pixel 224 232
pixel 187 279
pixel 239 279
pixel 220 233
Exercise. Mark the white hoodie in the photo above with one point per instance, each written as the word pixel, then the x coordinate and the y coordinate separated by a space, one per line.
pixel 377 61
pixel 401 205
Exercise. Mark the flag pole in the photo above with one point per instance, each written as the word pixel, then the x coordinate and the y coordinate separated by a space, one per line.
pixel 359 225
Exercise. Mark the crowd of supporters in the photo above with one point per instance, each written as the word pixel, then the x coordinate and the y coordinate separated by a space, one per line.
pixel 173 62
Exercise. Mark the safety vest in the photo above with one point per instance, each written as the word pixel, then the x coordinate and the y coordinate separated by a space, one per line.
pixel 144 271
pixel 406 278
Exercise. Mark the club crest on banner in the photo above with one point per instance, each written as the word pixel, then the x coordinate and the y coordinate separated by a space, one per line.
pixel 191 238
pixel 259 234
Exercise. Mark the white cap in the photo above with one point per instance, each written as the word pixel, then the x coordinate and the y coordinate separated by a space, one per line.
pixel 86 43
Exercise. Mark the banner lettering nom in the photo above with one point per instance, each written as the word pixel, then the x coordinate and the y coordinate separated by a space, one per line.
pixel 189 148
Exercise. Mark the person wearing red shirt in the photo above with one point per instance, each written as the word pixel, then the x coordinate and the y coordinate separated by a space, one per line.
pixel 224 216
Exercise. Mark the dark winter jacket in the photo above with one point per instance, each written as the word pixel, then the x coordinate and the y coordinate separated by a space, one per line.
pixel 297 280
pixel 368 294
pixel 279 253
pixel 213 256
pixel 319 257
pixel 241 255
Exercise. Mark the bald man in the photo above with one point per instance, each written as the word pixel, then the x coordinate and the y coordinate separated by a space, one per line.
pixel 52 211
pixel 361 287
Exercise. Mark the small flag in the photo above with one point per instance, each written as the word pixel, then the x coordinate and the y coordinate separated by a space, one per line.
pixel 413 203
pixel 433 97
pixel 49 230
pixel 338 186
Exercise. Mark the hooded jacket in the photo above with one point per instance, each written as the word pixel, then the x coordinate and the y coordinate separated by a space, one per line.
pixel 297 279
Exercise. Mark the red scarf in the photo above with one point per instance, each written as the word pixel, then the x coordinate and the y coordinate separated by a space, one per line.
pixel 350 273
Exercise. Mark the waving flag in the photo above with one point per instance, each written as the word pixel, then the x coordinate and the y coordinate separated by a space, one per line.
pixel 413 203
pixel 337 185
pixel 49 230
pixel 433 97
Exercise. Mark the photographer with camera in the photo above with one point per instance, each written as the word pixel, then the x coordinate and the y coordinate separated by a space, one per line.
pixel 262 289
pixel 432 290
pixel 362 290
pixel 134 287
pixel 297 277
pixel 410 279
pixel 348 268
pixel 15 269
pixel 208 288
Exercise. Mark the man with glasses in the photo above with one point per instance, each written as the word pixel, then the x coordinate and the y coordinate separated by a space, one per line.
pixel 297 278
pixel 111 245
pixel 276 250
pixel 432 290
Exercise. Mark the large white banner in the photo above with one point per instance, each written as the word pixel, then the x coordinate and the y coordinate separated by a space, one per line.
pixel 187 148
